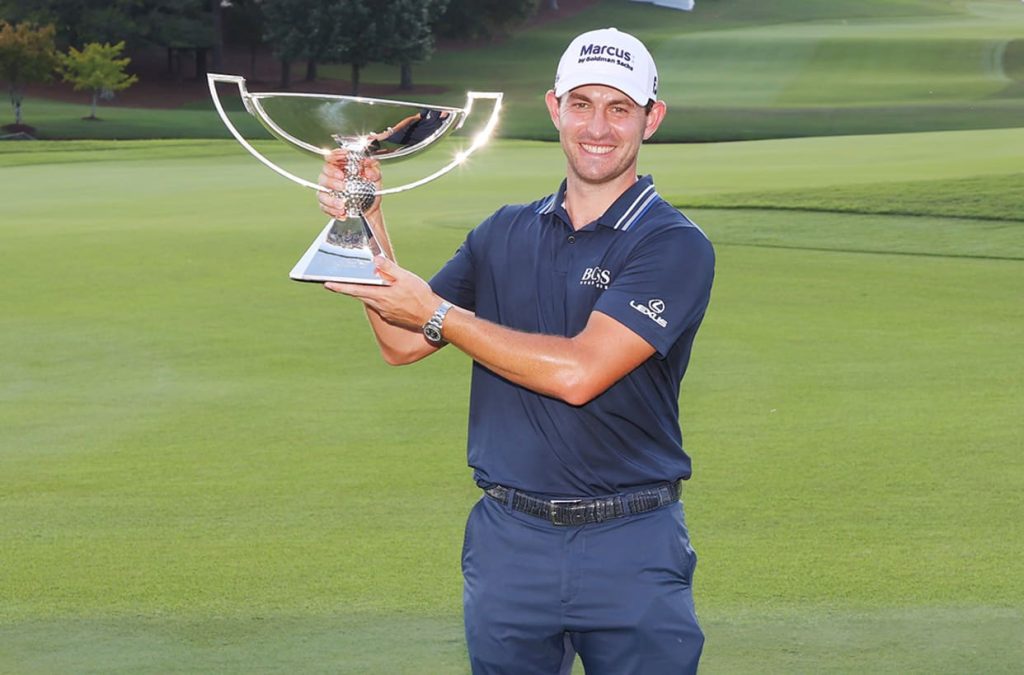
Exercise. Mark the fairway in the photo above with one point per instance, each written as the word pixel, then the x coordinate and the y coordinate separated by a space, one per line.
pixel 205 467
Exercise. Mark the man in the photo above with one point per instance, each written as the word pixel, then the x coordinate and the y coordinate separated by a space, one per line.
pixel 411 130
pixel 418 127
pixel 579 311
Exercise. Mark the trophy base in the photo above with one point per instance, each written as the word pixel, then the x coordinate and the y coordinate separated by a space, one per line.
pixel 342 252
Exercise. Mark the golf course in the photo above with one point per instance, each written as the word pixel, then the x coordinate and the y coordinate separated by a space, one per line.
pixel 207 468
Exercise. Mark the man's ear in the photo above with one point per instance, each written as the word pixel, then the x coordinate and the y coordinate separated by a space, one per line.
pixel 654 118
pixel 551 101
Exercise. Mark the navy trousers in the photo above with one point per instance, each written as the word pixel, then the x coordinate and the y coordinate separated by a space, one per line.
pixel 617 593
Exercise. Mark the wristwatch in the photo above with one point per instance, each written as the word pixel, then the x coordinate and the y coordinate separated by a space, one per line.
pixel 432 329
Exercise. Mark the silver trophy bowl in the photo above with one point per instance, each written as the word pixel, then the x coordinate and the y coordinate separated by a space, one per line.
pixel 318 124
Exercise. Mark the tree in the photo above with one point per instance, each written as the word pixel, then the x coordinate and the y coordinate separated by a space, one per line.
pixel 97 69
pixel 482 19
pixel 181 26
pixel 243 25
pixel 81 21
pixel 406 27
pixel 358 34
pixel 27 54
pixel 217 16
pixel 323 31
pixel 285 27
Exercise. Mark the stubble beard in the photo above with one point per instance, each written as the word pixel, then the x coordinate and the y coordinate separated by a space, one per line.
pixel 576 166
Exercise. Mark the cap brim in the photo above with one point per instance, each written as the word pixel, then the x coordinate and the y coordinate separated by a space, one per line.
pixel 567 84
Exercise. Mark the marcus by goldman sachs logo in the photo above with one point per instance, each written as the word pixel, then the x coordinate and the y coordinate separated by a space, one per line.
pixel 606 53
pixel 602 50
pixel 651 310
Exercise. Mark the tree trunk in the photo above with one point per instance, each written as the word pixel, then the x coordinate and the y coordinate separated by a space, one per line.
pixel 218 36
pixel 310 70
pixel 355 79
pixel 178 66
pixel 286 74
pixel 405 83
pixel 252 62
pixel 16 100
pixel 201 68
pixel 95 97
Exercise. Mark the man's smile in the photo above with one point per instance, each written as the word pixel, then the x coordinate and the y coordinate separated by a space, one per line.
pixel 597 149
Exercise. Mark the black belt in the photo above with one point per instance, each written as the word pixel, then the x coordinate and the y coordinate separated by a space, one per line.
pixel 584 511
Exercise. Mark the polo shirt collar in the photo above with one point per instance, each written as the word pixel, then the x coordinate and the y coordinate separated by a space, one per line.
pixel 623 212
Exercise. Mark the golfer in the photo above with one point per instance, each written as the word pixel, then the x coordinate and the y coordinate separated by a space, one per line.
pixel 579 311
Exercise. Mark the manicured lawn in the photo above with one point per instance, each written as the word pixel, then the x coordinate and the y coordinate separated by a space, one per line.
pixel 194 450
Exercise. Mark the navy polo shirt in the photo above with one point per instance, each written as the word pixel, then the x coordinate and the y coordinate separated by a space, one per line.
pixel 642 263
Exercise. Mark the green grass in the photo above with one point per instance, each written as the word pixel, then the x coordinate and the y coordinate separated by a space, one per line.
pixel 60 120
pixel 193 448
pixel 731 70
pixel 995 197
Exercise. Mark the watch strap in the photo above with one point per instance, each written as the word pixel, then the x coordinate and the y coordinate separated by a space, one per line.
pixel 432 329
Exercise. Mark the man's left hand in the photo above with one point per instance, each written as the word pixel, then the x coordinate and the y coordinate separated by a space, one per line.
pixel 406 301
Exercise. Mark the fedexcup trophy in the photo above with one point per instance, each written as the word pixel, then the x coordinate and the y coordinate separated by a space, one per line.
pixel 363 127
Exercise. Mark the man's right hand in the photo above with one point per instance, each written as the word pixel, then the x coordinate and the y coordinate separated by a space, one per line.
pixel 333 177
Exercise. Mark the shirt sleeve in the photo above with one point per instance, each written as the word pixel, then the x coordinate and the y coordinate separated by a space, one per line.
pixel 664 288
pixel 456 280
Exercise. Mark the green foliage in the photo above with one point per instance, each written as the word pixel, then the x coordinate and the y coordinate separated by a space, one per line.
pixel 481 19
pixel 179 24
pixel 243 23
pixel 173 24
pixel 322 31
pixel 406 27
pixel 355 32
pixel 83 21
pixel 285 26
pixel 98 69
pixel 27 54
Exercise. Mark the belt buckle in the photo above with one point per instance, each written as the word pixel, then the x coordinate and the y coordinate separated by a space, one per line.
pixel 555 503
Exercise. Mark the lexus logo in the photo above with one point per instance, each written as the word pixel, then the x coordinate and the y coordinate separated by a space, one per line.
pixel 652 310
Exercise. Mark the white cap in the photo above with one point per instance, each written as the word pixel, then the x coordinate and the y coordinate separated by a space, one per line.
pixel 609 57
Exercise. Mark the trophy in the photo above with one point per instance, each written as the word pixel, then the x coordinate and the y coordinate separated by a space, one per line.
pixel 362 127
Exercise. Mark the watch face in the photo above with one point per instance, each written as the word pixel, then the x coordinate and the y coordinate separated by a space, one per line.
pixel 432 333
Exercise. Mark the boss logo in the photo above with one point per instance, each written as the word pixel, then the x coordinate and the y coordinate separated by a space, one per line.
pixel 596 276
